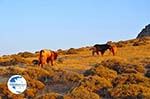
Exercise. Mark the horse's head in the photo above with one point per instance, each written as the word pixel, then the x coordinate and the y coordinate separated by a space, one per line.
pixel 93 48
pixel 113 49
pixel 55 55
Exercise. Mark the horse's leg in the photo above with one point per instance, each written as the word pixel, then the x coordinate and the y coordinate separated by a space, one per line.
pixel 113 52
pixel 97 52
pixel 49 61
pixel 102 53
pixel 40 64
pixel 110 50
pixel 52 62
pixel 43 63
pixel 93 52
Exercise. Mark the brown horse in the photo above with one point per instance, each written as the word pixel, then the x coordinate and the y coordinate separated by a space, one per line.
pixel 47 56
pixel 113 49
pixel 102 48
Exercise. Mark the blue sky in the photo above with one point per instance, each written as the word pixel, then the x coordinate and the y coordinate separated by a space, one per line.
pixel 31 25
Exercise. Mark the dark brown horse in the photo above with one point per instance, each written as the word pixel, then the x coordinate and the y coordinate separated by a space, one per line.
pixel 47 56
pixel 103 48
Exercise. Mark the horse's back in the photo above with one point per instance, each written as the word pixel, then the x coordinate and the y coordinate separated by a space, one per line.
pixel 102 46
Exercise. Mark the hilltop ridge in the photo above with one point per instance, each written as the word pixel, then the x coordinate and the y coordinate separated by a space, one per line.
pixel 145 32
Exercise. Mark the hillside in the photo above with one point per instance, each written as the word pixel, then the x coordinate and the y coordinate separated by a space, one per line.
pixel 145 32
pixel 78 75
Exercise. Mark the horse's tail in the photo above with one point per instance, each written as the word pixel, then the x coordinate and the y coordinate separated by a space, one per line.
pixel 40 57
pixel 41 52
pixel 93 50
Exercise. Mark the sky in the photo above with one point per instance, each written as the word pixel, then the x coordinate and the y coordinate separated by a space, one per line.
pixel 32 25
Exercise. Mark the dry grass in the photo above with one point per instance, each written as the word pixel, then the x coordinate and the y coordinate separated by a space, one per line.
pixel 102 71
pixel 133 91
pixel 78 75
pixel 81 93
pixel 50 96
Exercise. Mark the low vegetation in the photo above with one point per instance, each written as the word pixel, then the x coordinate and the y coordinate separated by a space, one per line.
pixel 77 74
